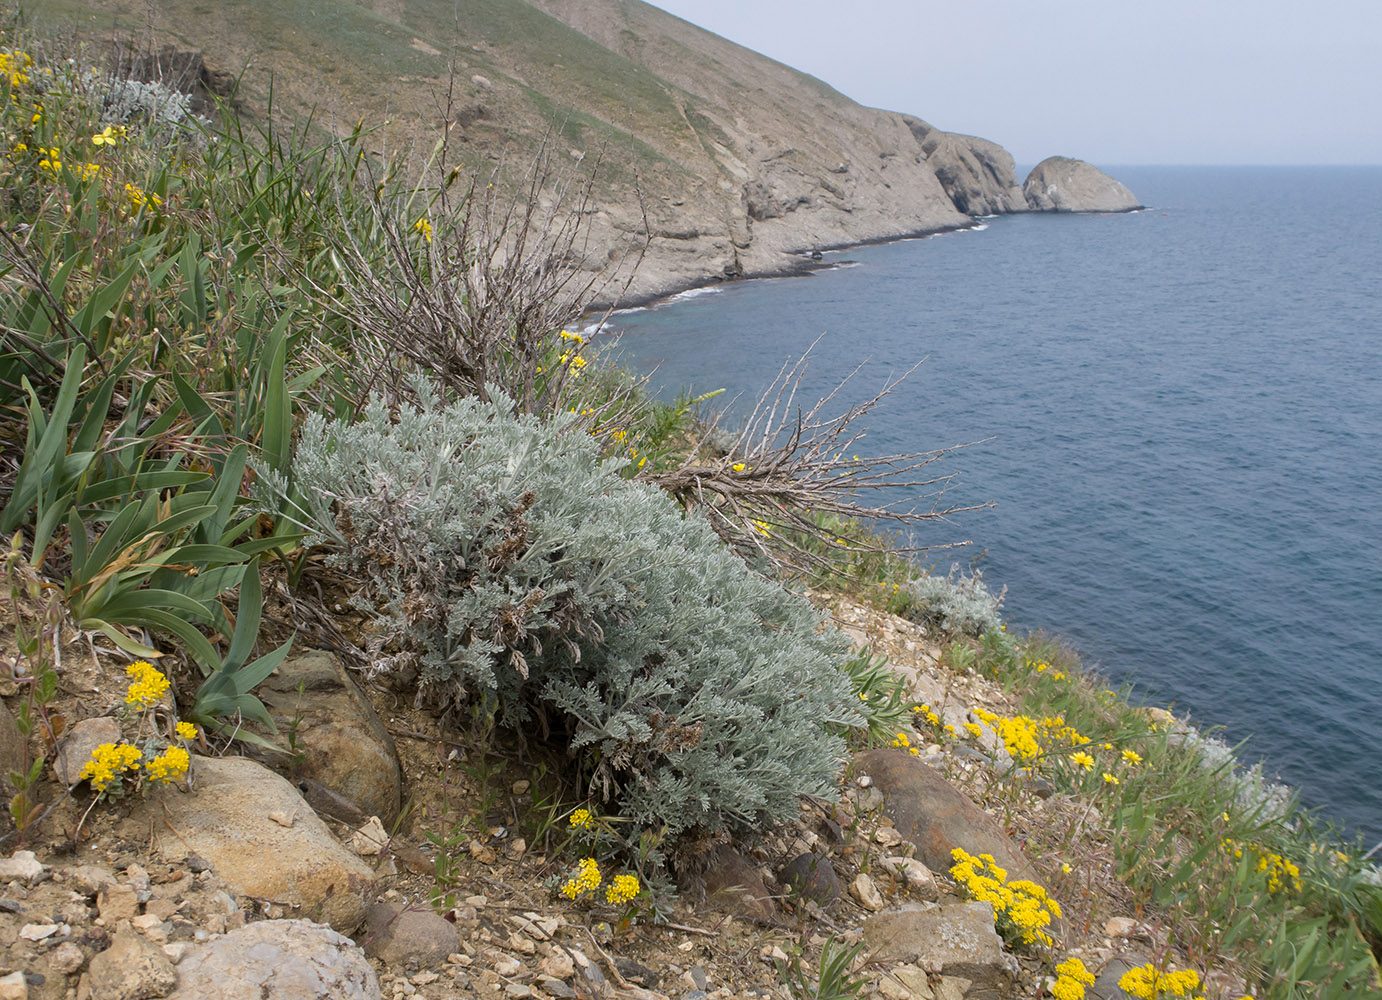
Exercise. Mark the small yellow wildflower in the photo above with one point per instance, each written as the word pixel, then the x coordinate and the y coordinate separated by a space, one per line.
pixel 108 136
pixel 1072 978
pixel 141 199
pixel 1110 778
pixel 169 766
pixel 586 879
pixel 974 729
pixel 149 685
pixel 1065 868
pixel 1146 983
pixel 424 227
pixel 622 889
pixel 566 335
pixel 186 730
pixel 582 818
pixel 88 170
pixel 108 761
pixel 738 466
pixel 1132 757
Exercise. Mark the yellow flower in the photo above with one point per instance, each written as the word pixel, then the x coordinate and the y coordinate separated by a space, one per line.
pixel 582 818
pixel 1146 983
pixel 738 466
pixel 186 730
pixel 424 227
pixel 1132 757
pixel 565 335
pixel 88 170
pixel 140 199
pixel 169 766
pixel 149 685
pixel 108 136
pixel 622 889
pixel 974 729
pixel 108 761
pixel 1072 978
pixel 1110 779
pixel 586 879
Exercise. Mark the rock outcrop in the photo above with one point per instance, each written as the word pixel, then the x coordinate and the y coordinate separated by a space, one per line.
pixel 1062 184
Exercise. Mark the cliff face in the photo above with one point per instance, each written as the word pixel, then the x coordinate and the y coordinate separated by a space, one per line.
pixel 1062 184
pixel 728 163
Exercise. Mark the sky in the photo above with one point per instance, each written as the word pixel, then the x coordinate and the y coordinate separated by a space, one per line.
pixel 1109 81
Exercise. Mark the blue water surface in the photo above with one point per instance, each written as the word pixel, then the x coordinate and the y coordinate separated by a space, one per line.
pixel 1185 413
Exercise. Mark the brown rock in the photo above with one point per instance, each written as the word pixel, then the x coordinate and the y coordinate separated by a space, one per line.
pixel 132 968
pixel 813 877
pixel 117 902
pixel 955 940
pixel 935 816
pixel 225 820
pixel 730 882
pixel 339 739
pixel 75 748
pixel 408 937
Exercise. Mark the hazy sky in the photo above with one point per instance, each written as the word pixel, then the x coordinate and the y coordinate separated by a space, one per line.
pixel 1110 81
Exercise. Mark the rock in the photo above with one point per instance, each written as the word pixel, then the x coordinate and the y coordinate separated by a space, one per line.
pixel 730 882
pixel 558 965
pixel 905 982
pixel 132 968
pixel 277 960
pixel 1105 986
pixel 75 748
pixel 67 959
pixel 370 839
pixel 556 988
pixel 1120 927
pixel 915 874
pixel 225 820
pixel 812 876
pixel 89 879
pixel 22 865
pixel 955 940
pixel 402 936
pixel 38 932
pixel 117 902
pixel 931 813
pixel 339 739
pixel 1062 184
pixel 13 987
pixel 979 176
pixel 866 893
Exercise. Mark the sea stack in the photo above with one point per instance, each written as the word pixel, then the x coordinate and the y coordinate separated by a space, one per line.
pixel 1063 184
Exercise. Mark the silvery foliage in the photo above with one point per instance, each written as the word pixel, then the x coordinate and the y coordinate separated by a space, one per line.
pixel 124 100
pixel 1255 794
pixel 504 557
pixel 956 603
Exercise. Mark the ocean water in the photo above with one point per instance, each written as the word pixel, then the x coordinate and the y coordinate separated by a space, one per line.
pixel 1180 413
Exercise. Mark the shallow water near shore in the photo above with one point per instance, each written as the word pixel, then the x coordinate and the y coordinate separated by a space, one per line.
pixel 1185 413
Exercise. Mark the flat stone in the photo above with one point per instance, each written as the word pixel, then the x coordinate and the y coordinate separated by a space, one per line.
pixel 118 902
pixel 935 816
pixel 865 893
pixel 1120 927
pixel 132 968
pixel 224 819
pixel 339 738
pixel 916 875
pixel 811 876
pixel 277 960
pixel 14 987
pixel 1105 986
pixel 955 940
pixel 905 982
pixel 408 937
pixel 22 865
pixel 77 745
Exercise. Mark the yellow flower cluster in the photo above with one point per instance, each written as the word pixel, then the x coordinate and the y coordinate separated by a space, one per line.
pixel 568 335
pixel 186 730
pixel 582 818
pixel 149 685
pixel 169 766
pixel 50 161
pixel 108 762
pixel 1071 979
pixel 141 199
pixel 1021 908
pixel 1282 873
pixel 902 741
pixel 1146 983
pixel 926 713
pixel 622 889
pixel 424 227
pixel 16 65
pixel 1019 734
pixel 109 136
pixel 587 879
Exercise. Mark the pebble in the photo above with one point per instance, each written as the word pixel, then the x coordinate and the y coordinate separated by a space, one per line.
pixel 67 958
pixel 558 965
pixel 38 932
pixel 1120 927
pixel 866 893
pixel 22 865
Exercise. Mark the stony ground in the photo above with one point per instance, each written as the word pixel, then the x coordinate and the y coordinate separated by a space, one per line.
pixel 440 862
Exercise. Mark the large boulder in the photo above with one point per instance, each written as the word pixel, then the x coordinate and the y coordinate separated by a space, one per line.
pixel 260 837
pixel 934 815
pixel 277 960
pixel 338 738
pixel 1062 184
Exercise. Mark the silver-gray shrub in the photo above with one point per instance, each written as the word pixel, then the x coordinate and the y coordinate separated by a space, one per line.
pixel 956 603
pixel 505 559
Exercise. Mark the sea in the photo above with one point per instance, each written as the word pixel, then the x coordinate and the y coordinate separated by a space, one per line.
pixel 1176 413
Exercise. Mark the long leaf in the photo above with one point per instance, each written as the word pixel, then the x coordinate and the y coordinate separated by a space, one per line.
pixel 43 448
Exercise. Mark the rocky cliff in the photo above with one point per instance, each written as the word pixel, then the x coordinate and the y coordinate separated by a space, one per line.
pixel 725 162
pixel 1062 184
